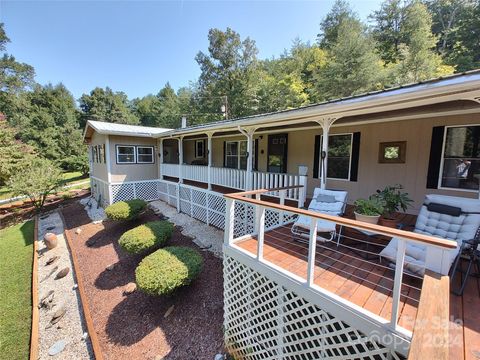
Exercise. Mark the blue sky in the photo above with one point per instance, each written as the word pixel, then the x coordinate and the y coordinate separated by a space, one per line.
pixel 137 46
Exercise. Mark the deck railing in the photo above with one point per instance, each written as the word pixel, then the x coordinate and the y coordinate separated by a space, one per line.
pixel 337 256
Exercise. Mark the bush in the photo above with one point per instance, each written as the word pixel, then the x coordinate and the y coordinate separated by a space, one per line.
pixel 125 210
pixel 167 269
pixel 146 236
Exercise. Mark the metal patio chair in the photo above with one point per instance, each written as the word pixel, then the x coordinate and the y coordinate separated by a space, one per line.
pixel 469 251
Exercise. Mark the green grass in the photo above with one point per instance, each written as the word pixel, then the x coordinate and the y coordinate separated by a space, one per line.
pixel 16 252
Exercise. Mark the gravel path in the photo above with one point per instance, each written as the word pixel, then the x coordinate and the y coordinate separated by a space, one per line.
pixel 71 326
pixel 204 236
pixel 135 326
pixel 95 212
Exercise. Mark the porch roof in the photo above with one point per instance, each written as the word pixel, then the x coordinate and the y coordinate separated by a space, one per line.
pixel 107 128
pixel 462 86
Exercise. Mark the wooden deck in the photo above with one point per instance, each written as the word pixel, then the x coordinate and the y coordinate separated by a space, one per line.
pixel 369 283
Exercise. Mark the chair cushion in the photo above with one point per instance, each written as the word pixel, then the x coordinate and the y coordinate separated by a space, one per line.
pixel 322 225
pixel 326 198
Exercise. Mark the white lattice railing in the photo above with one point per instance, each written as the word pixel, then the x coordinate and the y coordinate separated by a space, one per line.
pixel 252 305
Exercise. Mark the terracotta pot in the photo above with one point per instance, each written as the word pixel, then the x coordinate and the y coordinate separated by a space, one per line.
pixel 367 218
pixel 50 240
pixel 388 222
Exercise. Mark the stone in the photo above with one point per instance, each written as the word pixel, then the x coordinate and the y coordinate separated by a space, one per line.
pixel 219 357
pixel 62 273
pixel 169 311
pixel 57 348
pixel 50 240
pixel 78 231
pixel 110 267
pixel 51 260
pixel 130 288
pixel 84 336
pixel 57 315
pixel 75 287
pixel 159 357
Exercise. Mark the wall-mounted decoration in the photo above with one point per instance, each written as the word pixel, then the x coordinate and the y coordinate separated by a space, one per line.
pixel 393 152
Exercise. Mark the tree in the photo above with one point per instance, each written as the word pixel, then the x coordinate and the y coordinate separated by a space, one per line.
pixel 352 66
pixel 106 105
pixel 229 69
pixel 36 181
pixel 329 27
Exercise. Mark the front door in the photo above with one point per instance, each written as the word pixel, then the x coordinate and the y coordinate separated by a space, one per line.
pixel 277 153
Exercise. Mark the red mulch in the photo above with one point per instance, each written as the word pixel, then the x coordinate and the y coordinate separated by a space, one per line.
pixel 133 326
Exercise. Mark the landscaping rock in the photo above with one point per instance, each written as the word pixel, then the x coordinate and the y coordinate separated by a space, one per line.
pixel 62 273
pixel 219 357
pixel 50 240
pixel 130 288
pixel 57 315
pixel 110 267
pixel 169 311
pixel 51 260
pixel 57 348
pixel 78 231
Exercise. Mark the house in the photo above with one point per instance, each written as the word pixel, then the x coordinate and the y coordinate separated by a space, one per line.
pixel 424 136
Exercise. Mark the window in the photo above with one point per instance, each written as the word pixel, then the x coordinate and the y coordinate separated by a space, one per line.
pixel 199 148
pixel 236 154
pixel 145 154
pixel 125 154
pixel 339 156
pixel 461 157
pixel 392 152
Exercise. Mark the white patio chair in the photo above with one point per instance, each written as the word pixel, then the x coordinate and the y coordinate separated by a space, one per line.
pixel 446 217
pixel 330 202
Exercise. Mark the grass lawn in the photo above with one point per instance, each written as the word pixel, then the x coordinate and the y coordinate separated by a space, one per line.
pixel 16 252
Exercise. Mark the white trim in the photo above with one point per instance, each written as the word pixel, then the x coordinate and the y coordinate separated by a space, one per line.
pixel 442 161
pixel 126 146
pixel 349 159
pixel 145 147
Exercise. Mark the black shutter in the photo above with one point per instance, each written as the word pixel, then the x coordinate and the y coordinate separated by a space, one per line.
pixel 355 156
pixel 435 157
pixel 224 153
pixel 256 155
pixel 316 157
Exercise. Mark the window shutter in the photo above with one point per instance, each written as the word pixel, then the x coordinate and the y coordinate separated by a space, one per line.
pixel 316 157
pixel 435 157
pixel 256 156
pixel 224 153
pixel 355 156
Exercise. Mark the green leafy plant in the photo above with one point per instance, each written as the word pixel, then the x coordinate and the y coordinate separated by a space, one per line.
pixel 370 207
pixel 393 200
pixel 167 269
pixel 126 210
pixel 147 236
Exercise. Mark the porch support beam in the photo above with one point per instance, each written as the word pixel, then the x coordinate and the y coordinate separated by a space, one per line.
pixel 160 153
pixel 180 159
pixel 248 132
pixel 326 123
pixel 210 155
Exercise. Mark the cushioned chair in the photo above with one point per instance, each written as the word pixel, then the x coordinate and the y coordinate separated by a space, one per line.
pixel 330 202
pixel 446 217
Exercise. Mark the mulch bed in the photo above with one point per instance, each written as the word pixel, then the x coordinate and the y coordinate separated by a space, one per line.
pixel 133 326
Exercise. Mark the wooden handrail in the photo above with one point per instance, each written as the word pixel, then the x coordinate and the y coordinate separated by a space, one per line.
pixel 390 232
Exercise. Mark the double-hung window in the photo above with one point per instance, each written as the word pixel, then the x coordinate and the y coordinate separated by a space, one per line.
pixel 126 154
pixel 460 157
pixel 145 154
pixel 339 156
pixel 236 154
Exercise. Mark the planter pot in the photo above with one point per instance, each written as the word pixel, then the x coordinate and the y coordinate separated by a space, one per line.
pixel 50 240
pixel 388 222
pixel 367 218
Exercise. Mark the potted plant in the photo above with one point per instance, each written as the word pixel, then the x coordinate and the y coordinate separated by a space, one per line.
pixel 393 200
pixel 368 210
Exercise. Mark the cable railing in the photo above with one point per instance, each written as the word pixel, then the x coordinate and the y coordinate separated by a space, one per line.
pixel 350 266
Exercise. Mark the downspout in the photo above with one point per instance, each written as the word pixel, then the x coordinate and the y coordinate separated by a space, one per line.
pixel 248 132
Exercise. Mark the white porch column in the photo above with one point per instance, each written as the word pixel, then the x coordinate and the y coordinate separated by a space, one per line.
pixel 160 151
pixel 248 132
pixel 325 123
pixel 210 155
pixel 180 159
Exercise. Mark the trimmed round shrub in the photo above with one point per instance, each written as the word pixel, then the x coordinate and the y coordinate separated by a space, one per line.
pixel 125 210
pixel 147 236
pixel 167 269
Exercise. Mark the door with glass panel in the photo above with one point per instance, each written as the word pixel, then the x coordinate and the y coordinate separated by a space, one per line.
pixel 277 153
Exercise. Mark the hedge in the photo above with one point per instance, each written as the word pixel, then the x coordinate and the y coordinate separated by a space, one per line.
pixel 167 269
pixel 125 210
pixel 147 236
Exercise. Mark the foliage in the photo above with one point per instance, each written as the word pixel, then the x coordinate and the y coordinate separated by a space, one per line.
pixel 40 179
pixel 393 199
pixel 330 25
pixel 164 271
pixel 371 207
pixel 126 210
pixel 145 237
pixel 16 250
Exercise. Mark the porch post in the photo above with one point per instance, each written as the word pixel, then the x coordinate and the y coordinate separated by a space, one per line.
pixel 180 159
pixel 248 132
pixel 325 123
pixel 160 170
pixel 209 152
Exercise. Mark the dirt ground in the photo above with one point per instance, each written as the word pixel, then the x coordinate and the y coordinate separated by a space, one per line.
pixel 133 326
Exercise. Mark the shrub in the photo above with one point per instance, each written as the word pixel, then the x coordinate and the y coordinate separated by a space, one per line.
pixel 146 236
pixel 167 269
pixel 125 210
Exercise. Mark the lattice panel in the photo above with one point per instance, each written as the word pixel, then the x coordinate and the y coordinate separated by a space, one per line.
pixel 122 192
pixel 185 200
pixel 264 320
pixel 244 219
pixel 146 190
pixel 162 189
pixel 216 210
pixel 172 194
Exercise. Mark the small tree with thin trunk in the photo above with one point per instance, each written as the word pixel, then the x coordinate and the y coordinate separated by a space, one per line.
pixel 36 181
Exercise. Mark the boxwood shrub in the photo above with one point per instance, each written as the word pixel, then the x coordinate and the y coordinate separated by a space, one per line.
pixel 125 210
pixel 167 269
pixel 147 236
